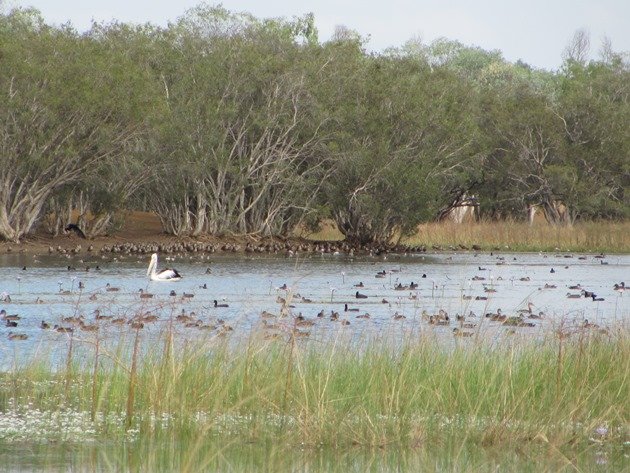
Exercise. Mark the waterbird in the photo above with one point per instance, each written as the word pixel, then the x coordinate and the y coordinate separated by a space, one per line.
pixel 216 304
pixel 460 333
pixel 61 329
pixel 358 295
pixel 44 325
pixel 165 275
pixel 350 309
pixel 144 294
pixel 597 299
pixel 17 336
pixel 5 316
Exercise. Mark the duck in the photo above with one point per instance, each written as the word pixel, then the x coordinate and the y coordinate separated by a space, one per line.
pixel 587 324
pixel 11 323
pixel 573 296
pixel 398 316
pixel 460 333
pixel 60 329
pixel 497 317
pixel 144 294
pixel 44 325
pixel 433 320
pixel 363 316
pixel 358 295
pixel 5 316
pixel 17 336
pixel 597 299
pixel 360 284
pixel 88 328
pixel 165 275
pixel 217 305
pixel 350 309
pixel 528 310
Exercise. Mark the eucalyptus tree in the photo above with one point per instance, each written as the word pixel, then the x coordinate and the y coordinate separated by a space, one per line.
pixel 63 109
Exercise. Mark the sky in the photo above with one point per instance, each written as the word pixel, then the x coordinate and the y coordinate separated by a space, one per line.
pixel 535 31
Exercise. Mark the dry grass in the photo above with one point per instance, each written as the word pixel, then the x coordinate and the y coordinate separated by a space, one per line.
pixel 587 236
pixel 609 237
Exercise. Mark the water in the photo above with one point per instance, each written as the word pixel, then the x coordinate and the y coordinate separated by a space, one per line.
pixel 49 288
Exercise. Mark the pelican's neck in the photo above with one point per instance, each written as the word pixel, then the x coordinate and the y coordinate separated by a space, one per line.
pixel 152 267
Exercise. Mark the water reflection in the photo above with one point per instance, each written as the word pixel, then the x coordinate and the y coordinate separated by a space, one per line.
pixel 213 455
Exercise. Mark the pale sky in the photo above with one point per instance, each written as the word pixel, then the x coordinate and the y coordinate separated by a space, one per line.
pixel 535 31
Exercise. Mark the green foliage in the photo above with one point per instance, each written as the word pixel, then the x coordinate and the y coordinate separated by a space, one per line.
pixel 225 123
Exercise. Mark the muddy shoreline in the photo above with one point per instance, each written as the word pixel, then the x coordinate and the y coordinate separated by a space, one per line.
pixel 71 244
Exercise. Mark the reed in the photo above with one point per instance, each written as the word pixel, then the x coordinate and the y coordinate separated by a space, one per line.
pixel 608 237
pixel 337 394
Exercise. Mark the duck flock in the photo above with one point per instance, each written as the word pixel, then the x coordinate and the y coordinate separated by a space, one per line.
pixel 451 295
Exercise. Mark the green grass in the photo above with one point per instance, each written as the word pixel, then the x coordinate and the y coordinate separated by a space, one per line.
pixel 338 395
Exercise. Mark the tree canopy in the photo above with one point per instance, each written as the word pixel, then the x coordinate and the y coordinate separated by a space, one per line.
pixel 223 123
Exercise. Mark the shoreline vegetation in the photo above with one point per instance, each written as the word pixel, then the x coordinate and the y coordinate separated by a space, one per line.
pixel 221 123
pixel 142 230
pixel 566 394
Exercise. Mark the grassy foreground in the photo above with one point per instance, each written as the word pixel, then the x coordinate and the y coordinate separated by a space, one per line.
pixel 314 394
pixel 607 237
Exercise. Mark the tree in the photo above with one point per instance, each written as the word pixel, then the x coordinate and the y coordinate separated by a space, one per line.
pixel 61 112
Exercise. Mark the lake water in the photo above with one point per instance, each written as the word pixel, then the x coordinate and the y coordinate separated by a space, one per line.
pixel 49 288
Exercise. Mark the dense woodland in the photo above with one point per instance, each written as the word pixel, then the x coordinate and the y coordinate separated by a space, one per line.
pixel 225 124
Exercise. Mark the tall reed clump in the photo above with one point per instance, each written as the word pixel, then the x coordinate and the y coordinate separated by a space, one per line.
pixel 340 393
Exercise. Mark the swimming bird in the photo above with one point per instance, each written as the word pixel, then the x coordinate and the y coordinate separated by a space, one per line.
pixel 145 295
pixel 5 316
pixel 460 333
pixel 17 336
pixel 350 309
pixel 165 275
pixel 216 304
pixel 358 295
pixel 44 325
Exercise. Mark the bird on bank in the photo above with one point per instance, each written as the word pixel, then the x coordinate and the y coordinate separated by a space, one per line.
pixel 165 275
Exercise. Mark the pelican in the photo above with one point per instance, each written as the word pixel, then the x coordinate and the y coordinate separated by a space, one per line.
pixel 164 275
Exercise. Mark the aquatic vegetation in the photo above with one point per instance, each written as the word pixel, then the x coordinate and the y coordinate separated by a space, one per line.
pixel 334 393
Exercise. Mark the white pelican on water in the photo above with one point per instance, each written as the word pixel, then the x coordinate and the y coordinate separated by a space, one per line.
pixel 164 275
